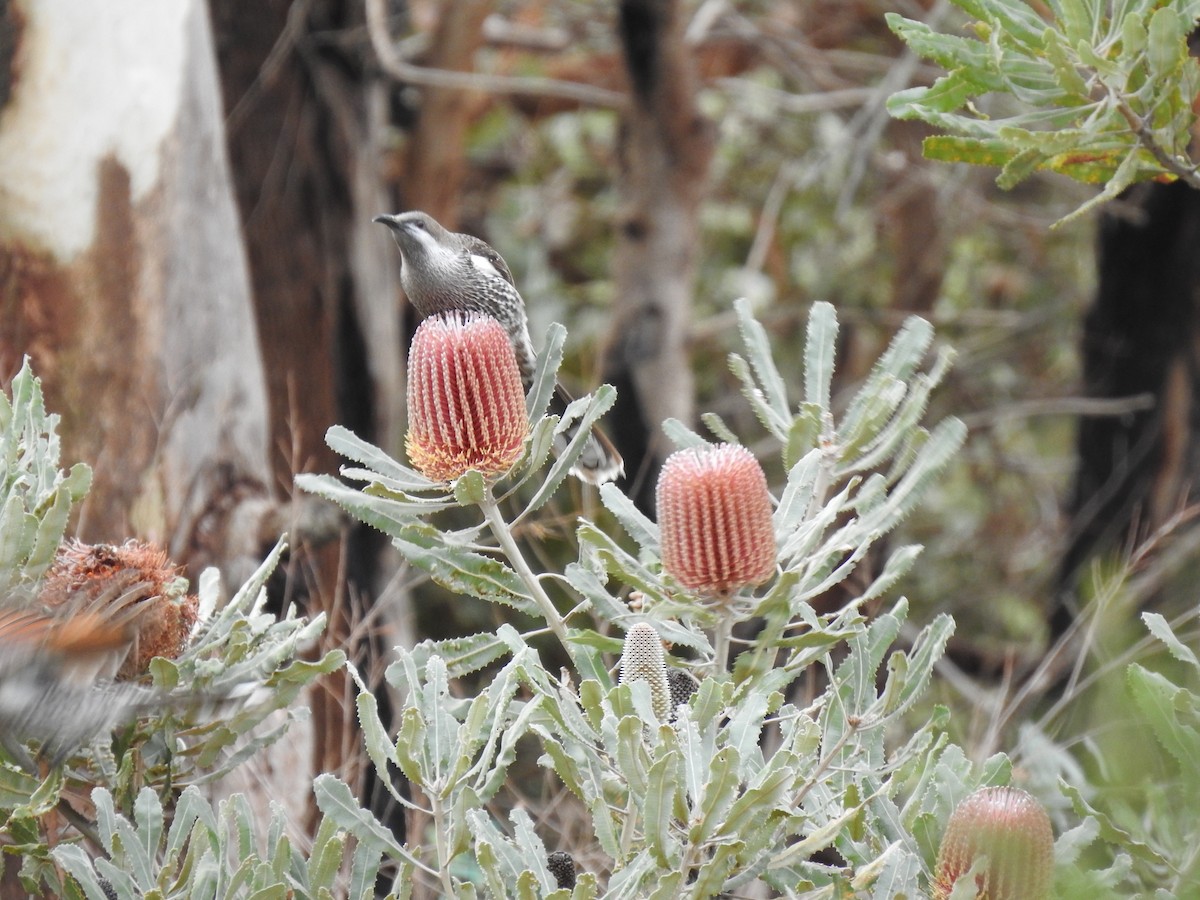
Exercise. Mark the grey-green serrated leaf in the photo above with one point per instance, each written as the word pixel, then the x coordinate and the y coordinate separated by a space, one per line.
pixel 633 520
pixel 819 349
pixel 758 352
pixel 336 801
pixel 545 376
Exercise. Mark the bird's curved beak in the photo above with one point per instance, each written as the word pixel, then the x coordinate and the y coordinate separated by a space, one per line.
pixel 389 221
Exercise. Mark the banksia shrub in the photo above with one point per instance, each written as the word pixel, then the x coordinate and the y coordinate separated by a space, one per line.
pixel 1011 829
pixel 466 401
pixel 642 659
pixel 714 515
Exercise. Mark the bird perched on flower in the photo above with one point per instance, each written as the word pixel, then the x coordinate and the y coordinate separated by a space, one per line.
pixel 443 271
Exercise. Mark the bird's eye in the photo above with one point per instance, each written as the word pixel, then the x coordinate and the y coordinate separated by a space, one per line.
pixel 419 224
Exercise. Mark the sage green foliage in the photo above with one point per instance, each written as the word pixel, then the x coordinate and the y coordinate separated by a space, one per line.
pixel 246 662
pixel 1101 92
pixel 35 495
pixel 743 785
pixel 194 850
pixel 241 666
pixel 1140 842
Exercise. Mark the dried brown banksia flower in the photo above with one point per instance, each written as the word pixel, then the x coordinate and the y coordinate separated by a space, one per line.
pixel 466 402
pixel 642 659
pixel 714 514
pixel 103 611
pixel 1011 829
pixel 133 587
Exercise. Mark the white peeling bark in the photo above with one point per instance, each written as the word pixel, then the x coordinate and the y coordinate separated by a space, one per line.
pixel 125 261
pixel 123 274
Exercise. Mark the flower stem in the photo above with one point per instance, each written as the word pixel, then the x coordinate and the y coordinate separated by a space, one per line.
pixel 439 836
pixel 503 535
pixel 722 632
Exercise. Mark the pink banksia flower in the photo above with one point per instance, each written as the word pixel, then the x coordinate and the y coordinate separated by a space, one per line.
pixel 1011 829
pixel 714 515
pixel 466 401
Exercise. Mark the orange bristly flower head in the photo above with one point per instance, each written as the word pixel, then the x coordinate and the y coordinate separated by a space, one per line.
pixel 714 516
pixel 466 401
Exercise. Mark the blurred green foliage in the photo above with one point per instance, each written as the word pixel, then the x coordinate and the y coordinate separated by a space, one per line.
pixel 1100 92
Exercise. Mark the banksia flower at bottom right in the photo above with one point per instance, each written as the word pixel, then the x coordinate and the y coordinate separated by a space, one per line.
pixel 1011 829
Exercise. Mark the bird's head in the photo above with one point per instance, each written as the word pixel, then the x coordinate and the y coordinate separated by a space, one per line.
pixel 436 261
pixel 419 236
pixel 429 253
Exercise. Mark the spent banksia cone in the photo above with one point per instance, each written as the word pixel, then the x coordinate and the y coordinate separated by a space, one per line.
pixel 714 514
pixel 103 612
pixel 682 685
pixel 562 866
pixel 466 402
pixel 1011 829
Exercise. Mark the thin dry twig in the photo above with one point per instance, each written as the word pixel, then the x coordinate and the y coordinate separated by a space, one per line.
pixel 402 70
pixel 289 38
pixel 1186 173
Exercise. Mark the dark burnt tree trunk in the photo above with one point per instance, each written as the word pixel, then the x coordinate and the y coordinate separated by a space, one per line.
pixel 305 131
pixel 664 149
pixel 1138 469
pixel 309 136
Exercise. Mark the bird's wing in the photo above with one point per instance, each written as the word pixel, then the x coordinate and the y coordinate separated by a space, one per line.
pixel 476 247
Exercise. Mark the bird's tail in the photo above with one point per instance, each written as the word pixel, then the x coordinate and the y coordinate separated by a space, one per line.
pixel 599 462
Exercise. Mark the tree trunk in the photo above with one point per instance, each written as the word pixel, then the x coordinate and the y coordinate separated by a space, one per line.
pixel 664 148
pixel 306 133
pixel 125 280
pixel 1136 470
pixel 123 276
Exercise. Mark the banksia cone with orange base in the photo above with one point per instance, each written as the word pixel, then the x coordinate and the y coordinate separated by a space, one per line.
pixel 1011 829
pixel 466 402
pixel 714 515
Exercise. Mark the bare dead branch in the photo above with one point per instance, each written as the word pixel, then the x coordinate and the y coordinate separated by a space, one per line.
pixel 1063 406
pixel 402 70
pixel 1184 169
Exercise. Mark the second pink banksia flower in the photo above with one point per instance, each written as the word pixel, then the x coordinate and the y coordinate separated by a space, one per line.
pixel 714 515
pixel 1010 828
pixel 466 401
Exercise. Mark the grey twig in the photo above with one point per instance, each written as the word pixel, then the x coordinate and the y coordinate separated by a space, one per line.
pixel 402 70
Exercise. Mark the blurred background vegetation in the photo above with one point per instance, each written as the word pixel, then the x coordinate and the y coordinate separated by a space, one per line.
pixel 797 187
